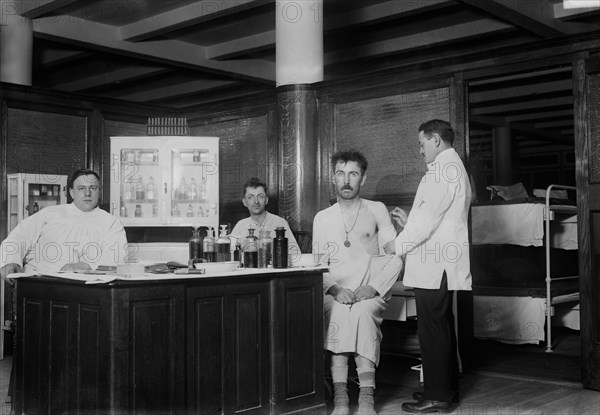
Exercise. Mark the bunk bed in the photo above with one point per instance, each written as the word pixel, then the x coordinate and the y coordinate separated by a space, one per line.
pixel 524 267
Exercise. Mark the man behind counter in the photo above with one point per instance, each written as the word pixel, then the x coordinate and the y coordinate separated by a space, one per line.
pixel 256 200
pixel 75 236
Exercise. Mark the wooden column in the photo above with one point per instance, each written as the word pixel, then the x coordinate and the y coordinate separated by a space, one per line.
pixel 299 64
pixel 299 155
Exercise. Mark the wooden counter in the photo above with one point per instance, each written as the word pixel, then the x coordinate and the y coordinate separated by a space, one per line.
pixel 251 343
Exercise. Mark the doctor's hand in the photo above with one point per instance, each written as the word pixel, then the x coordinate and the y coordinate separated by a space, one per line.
pixel 342 295
pixel 399 218
pixel 364 292
pixel 390 247
pixel 8 269
pixel 78 266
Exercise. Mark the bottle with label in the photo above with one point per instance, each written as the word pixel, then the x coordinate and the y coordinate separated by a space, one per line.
pixel 190 211
pixel 193 190
pixel 265 246
pixel 280 249
pixel 150 189
pixel 140 190
pixel 202 190
pixel 182 189
pixel 123 210
pixel 223 246
pixel 155 210
pixel 251 250
pixel 138 211
pixel 195 244
pixel 175 212
pixel 36 207
pixel 208 246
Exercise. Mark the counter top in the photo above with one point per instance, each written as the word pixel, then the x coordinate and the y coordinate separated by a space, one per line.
pixel 94 277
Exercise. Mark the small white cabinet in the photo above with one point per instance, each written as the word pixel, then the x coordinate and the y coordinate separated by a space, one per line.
pixel 165 180
pixel 29 193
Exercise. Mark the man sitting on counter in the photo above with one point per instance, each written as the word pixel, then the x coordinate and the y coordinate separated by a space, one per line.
pixel 75 236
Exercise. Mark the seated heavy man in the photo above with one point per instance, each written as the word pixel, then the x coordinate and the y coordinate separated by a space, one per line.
pixel 77 235
pixel 351 235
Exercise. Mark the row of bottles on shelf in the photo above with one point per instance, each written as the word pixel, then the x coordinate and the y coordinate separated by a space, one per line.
pixel 137 190
pixel 44 190
pixel 190 212
pixel 252 252
pixel 191 191
pixel 139 156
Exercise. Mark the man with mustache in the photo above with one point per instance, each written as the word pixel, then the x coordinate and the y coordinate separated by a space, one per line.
pixel 351 234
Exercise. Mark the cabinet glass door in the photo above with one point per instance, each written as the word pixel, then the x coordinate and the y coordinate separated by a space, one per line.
pixel 139 185
pixel 41 195
pixel 193 200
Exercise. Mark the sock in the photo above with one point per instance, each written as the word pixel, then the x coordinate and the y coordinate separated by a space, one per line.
pixel 341 401
pixel 366 376
pixel 366 402
pixel 339 374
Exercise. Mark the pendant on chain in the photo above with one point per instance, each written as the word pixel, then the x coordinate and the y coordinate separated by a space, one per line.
pixel 347 242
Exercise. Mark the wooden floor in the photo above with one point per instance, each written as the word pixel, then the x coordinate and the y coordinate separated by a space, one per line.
pixel 482 392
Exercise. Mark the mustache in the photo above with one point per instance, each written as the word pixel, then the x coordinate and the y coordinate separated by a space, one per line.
pixel 347 187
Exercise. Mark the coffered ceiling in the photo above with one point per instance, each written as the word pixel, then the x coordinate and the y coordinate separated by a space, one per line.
pixel 183 54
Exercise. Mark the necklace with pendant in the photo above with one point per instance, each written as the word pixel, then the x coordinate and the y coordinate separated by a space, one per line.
pixel 347 243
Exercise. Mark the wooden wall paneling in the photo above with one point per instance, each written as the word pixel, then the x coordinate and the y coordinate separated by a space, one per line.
pixel 243 153
pixel 588 288
pixel 45 143
pixel 385 129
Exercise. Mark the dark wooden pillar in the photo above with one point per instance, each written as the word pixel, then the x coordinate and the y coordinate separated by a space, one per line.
pixel 299 162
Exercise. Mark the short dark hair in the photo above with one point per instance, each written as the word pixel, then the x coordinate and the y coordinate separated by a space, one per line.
pixel 350 155
pixel 82 172
pixel 441 127
pixel 253 183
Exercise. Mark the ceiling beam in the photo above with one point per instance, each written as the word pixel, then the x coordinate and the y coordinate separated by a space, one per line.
pixel 383 11
pixel 37 8
pixel 533 16
pixel 547 135
pixel 522 91
pixel 429 38
pixel 177 53
pixel 109 78
pixel 186 16
pixel 362 16
pixel 55 57
pixel 174 90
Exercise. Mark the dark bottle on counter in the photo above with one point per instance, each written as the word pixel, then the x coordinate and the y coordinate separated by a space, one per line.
pixel 195 243
pixel 36 207
pixel 265 247
pixel 237 253
pixel 280 249
pixel 208 246
pixel 251 250
pixel 223 246
pixel 138 211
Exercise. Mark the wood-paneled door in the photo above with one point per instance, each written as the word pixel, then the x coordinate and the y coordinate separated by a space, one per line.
pixel 586 92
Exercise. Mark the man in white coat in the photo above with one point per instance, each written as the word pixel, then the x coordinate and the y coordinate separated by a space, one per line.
pixel 351 234
pixel 435 246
